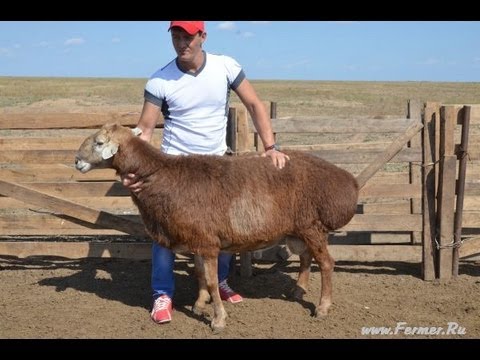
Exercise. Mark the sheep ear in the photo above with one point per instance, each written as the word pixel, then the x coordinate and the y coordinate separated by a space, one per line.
pixel 137 131
pixel 109 150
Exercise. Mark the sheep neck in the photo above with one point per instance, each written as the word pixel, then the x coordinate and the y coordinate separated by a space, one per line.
pixel 138 157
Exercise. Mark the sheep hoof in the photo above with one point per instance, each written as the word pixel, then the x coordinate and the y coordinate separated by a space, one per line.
pixel 321 312
pixel 297 293
pixel 198 310
pixel 217 327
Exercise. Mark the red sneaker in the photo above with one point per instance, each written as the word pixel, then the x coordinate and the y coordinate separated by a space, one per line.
pixel 162 310
pixel 227 294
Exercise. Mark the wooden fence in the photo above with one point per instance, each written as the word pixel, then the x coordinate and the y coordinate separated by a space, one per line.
pixel 398 217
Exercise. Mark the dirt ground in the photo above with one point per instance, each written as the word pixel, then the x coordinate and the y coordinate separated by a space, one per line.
pixel 110 298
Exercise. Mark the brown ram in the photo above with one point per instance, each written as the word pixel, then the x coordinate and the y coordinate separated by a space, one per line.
pixel 206 204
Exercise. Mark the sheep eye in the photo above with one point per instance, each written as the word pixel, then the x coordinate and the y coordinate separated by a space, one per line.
pixel 99 143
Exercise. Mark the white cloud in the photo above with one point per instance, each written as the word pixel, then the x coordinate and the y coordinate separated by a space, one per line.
pixel 226 25
pixel 74 41
pixel 5 52
pixel 296 64
pixel 115 40
pixel 430 61
pixel 260 22
pixel 42 44
pixel 247 34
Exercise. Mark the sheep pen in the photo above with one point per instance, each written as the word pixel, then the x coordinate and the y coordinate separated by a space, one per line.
pixel 251 205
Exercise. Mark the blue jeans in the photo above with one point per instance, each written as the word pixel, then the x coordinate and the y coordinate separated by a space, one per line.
pixel 163 280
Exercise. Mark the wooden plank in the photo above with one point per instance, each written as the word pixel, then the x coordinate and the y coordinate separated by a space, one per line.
pixel 448 119
pixel 475 114
pixel 471 203
pixel 76 250
pixel 369 222
pixel 317 124
pixel 364 253
pixel 111 203
pixel 460 189
pixel 244 136
pixel 384 208
pixel 446 207
pixel 231 132
pixel 472 188
pixel 429 252
pixel 70 208
pixel 142 251
pixel 52 142
pixel 471 219
pixel 337 146
pixel 390 191
pixel 389 178
pixel 362 156
pixel 64 120
pixel 54 173
pixel 389 153
pixel 51 225
pixel 470 247
pixel 45 224
pixel 415 112
pixel 81 189
pixel 37 156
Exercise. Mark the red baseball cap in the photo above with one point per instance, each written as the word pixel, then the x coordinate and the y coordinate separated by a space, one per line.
pixel 191 27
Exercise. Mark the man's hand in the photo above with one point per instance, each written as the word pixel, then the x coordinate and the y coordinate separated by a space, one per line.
pixel 279 159
pixel 132 183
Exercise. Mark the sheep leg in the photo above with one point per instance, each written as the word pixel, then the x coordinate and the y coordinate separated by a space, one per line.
pixel 316 241
pixel 303 275
pixel 211 276
pixel 203 295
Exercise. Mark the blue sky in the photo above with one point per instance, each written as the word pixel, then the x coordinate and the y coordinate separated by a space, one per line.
pixel 271 50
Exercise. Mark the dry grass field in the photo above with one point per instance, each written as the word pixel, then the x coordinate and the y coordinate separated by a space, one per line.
pixel 49 297
pixel 293 97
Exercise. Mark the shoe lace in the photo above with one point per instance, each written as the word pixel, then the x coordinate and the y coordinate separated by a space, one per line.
pixel 161 303
pixel 225 288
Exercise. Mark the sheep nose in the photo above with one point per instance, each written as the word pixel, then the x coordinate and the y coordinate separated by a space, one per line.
pixel 76 160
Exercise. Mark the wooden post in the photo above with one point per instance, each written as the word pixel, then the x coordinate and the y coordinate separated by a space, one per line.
pixel 243 136
pixel 462 171
pixel 446 191
pixel 232 130
pixel 429 252
pixel 415 171
pixel 273 110
pixel 236 118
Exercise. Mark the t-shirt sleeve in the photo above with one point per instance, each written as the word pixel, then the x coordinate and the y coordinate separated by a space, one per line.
pixel 235 74
pixel 154 92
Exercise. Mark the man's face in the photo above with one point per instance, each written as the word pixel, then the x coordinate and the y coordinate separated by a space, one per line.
pixel 186 46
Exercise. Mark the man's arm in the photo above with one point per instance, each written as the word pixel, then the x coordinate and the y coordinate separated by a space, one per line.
pixel 147 122
pixel 261 120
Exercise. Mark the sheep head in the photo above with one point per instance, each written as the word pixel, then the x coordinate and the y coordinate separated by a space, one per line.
pixel 97 151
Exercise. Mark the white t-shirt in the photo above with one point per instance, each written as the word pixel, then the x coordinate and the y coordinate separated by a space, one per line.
pixel 195 106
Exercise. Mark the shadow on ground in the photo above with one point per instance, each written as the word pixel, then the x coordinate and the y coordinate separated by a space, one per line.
pixel 128 281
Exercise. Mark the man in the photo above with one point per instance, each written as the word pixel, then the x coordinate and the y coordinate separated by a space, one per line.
pixel 192 93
